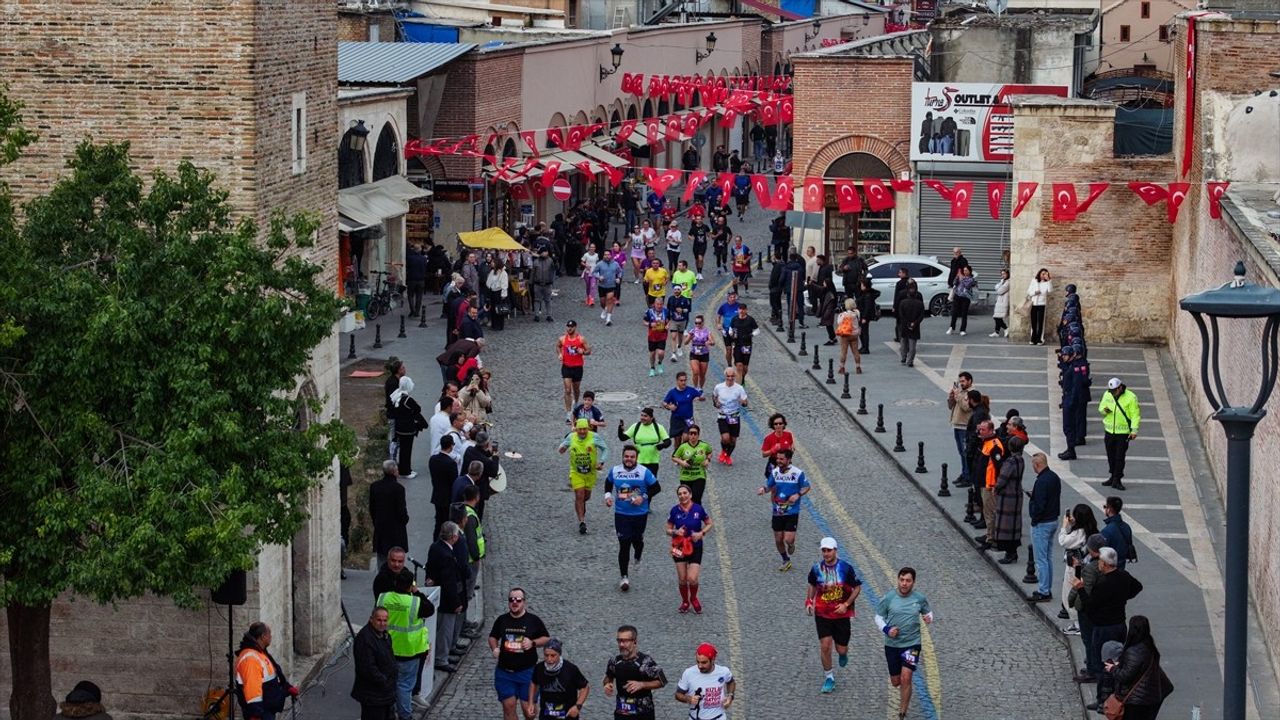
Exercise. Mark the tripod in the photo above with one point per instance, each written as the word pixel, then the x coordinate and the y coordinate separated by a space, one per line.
pixel 228 693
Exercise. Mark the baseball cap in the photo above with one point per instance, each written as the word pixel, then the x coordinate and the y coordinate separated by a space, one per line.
pixel 828 543
pixel 1113 383
pixel 583 423
pixel 571 323
pixel 1096 542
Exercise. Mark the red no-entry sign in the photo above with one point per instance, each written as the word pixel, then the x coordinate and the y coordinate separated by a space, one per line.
pixel 561 190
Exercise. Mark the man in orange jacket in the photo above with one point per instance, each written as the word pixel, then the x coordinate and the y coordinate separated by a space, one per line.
pixel 261 685
pixel 989 459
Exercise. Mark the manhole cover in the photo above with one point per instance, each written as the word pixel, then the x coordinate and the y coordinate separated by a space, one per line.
pixel 917 402
pixel 615 397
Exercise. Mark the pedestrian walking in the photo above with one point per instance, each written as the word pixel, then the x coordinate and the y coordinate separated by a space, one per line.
pixel 514 640
pixel 1117 532
pixel 635 485
pixel 730 399
pixel 848 330
pixel 1104 604
pixel 899 292
pixel 1141 685
pixel 1001 312
pixel 587 455
pixel 407 612
pixel 573 350
pixel 388 512
pixel 833 588
pixel 786 485
pixel 964 293
pixel 1006 534
pixel 1044 504
pixel 451 576
pixel 84 702
pixel 409 422
pixel 868 310
pixel 958 404
pixel 558 689
pixel 543 276
pixel 898 616
pixel 1120 418
pixel 911 313
pixel 687 525
pixel 707 688
pixel 587 273
pixel 375 667
pixel 631 677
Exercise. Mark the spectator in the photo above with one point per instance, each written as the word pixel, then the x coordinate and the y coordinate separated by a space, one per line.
pixel 1037 295
pixel 388 512
pixel 1007 533
pixel 980 411
pixel 989 455
pixel 911 313
pixel 385 580
pixel 446 361
pixel 958 260
pixel 957 403
pixel 444 471
pixel 1141 684
pixel 407 611
pixel 720 160
pixel 852 269
pixel 395 371
pixel 1046 499
pixel 469 325
pixel 1078 525
pixel 444 572
pixel 84 702
pixel 514 641
pixel 1001 312
pixel 440 424
pixel 472 529
pixel 376 670
pixel 476 401
pixel 1117 532
pixel 409 422
pixel 262 686
pixel 1104 604
pixel 899 292
pixel 415 270
pixel 869 310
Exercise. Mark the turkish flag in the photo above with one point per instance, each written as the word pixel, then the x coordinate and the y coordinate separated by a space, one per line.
pixel 625 130
pixel 813 194
pixel 691 123
pixel 995 196
pixel 1177 193
pixel 467 146
pixel 654 83
pixel 530 140
pixel 760 185
pixel 662 179
pixel 585 168
pixel 632 84
pixel 652 127
pixel 695 177
pixel 769 113
pixel 555 137
pixel 959 196
pixel 412 148
pixel 725 181
pixel 529 164
pixel 520 191
pixel 787 109
pixel 615 174
pixel 847 198
pixel 1065 206
pixel 550 173
pixel 1025 191
pixel 538 189
pixel 783 197
pixel 507 163
pixel 879 197
pixel 1150 193
pixel 902 186
pixel 574 137
pixel 1216 190
pixel 730 117
pixel 672 124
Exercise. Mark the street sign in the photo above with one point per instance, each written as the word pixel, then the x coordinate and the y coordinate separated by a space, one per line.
pixel 561 190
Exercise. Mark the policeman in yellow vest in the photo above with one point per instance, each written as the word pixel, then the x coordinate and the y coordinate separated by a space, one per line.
pixel 587 454
pixel 407 611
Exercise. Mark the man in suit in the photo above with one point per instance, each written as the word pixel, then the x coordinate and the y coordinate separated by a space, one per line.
pixel 389 512
pixel 443 572
pixel 444 471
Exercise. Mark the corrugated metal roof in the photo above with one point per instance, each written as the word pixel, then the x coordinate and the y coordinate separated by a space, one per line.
pixel 393 62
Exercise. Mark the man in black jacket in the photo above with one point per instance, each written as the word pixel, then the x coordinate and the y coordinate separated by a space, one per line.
pixel 388 511
pixel 376 671
pixel 444 573
pixel 899 292
pixel 1105 604
pixel 958 260
pixel 793 275
pixel 852 269
pixel 910 313
pixel 385 580
pixel 775 291
pixel 487 453
pixel 444 471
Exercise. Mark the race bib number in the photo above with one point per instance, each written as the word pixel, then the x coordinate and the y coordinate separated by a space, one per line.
pixel 833 594
pixel 731 419
pixel 910 657
pixel 627 706
pixel 744 349
pixel 624 493
pixel 572 350
pixel 554 711
pixel 582 467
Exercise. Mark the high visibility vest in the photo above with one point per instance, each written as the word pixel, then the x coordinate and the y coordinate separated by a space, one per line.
pixel 254 671
pixel 408 631
pixel 471 513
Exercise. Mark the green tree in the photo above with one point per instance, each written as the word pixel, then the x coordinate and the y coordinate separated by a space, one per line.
pixel 150 439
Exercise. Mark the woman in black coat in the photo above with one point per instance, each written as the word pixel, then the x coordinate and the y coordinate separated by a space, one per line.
pixel 409 422
pixel 867 296
pixel 1140 682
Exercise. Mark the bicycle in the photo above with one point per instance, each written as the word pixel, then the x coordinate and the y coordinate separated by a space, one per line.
pixel 388 295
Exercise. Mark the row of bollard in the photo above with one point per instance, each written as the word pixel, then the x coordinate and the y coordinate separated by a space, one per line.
pixel 377 334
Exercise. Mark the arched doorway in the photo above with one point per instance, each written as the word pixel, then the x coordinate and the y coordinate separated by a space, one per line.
pixel 869 231
pixel 386 156
pixel 351 164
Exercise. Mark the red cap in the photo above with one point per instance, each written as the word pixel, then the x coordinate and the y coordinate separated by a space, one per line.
pixel 707 650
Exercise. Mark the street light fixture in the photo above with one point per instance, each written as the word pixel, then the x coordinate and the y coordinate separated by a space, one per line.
pixel 699 56
pixel 1236 299
pixel 359 135
pixel 817 28
pixel 616 52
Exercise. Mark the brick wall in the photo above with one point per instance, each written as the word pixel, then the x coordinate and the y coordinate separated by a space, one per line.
pixel 1117 253
pixel 354 26
pixel 483 91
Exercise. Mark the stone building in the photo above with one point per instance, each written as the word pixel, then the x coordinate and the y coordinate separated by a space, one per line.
pixel 249 91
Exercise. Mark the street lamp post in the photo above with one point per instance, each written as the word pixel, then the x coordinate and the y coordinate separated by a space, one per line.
pixel 1236 299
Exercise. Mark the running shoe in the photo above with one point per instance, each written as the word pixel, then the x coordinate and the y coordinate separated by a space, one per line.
pixel 948 331
pixel 697 606
pixel 843 660
pixel 411 475
pixel 828 685
pixel 608 323
pixel 673 357
pixel 720 458
pixel 728 460
pixel 652 372
pixel 699 276
pixel 582 528
pixel 684 608
pixel 602 314
pixel 1072 629
pixel 662 370
pixel 625 584
pixel 785 566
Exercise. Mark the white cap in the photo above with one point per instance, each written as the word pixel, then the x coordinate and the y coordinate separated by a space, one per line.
pixel 828 543
pixel 1113 383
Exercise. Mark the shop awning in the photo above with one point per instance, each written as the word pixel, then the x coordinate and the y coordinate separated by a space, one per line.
pixel 599 154
pixel 346 224
pixel 489 239
pixel 568 158
pixel 400 188
pixel 369 205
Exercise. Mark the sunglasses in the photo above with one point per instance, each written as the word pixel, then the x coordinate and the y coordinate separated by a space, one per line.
pixel 779 424
pixel 515 600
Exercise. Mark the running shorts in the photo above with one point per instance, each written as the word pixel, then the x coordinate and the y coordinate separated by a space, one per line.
pixel 898 658
pixel 571 372
pixel 838 629
pixel 786 523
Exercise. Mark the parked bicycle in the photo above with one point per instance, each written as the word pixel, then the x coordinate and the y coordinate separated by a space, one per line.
pixel 388 295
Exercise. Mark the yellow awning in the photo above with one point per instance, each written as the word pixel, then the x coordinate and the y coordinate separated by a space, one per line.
pixel 489 239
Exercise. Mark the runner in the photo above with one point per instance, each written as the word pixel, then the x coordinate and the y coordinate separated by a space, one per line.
pixel 608 273
pixel 649 437
pixel 587 455
pixel 728 312
pixel 675 239
pixel 619 257
pixel 687 525
pixel 655 281
pixel 588 263
pixel 634 676
pixel 587 410
pixel 637 251
pixel 779 439
pixel 573 349
pixel 693 457
pixel 786 485
pixel 685 278
pixel 514 640
pixel 743 329
pixel 898 617
pixel 721 236
pixel 707 688
pixel 678 308
pixel 741 257
pixel 700 341
pixel 656 319
pixel 833 586
pixel 729 398
pixel 635 486
pixel 698 234
pixel 679 400
pixel 559 689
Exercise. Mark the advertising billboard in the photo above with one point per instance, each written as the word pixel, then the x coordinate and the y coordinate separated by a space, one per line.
pixel 967 122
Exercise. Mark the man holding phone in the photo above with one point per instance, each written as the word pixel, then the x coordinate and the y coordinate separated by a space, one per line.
pixel 960 409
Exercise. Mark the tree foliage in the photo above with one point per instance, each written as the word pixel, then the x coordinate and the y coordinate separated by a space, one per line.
pixel 149 439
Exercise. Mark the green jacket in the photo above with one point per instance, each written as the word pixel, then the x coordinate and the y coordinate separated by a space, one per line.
pixel 1124 414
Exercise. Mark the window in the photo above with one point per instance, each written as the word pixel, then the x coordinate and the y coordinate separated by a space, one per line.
pixel 1164 33
pixel 299 133
pixel 1145 10
pixel 886 270
pixel 928 271
pixel 1124 33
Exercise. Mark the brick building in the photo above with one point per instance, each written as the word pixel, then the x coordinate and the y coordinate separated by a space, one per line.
pixel 249 91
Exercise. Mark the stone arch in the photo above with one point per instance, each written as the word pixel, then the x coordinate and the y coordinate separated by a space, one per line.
pixel 632 112
pixel 351 163
pixel 386 154
pixel 509 149
pixel 879 148
pixel 664 106
pixel 557 121
pixel 600 115
pixel 308 636
pixel 648 109
pixel 580 118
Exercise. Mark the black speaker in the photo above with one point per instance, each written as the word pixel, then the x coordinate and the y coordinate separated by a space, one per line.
pixel 232 591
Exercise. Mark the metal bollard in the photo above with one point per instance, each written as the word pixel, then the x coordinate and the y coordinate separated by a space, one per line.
pixel 402 333
pixel 422 315
pixel 803 339
pixel 897 441
pixel 880 418
pixel 862 401
pixel 844 394
pixel 377 336
pixel 759 261
pixel 1030 578
pixel 816 364
pixel 920 468
pixel 791 332
pixel 943 490
pixel 351 352
pixel 831 370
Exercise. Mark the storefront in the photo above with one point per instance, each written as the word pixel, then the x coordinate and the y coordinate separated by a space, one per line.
pixel 870 231
pixel 985 240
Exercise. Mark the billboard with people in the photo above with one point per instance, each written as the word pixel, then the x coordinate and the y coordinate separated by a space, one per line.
pixel 967 121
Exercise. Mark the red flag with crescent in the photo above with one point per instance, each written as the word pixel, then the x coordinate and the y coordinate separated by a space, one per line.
pixel 787 109
pixel 672 125
pixel 695 177
pixel 769 113
pixel 958 195
pixel 847 197
pixel 520 191
pixel 1065 206
pixel 995 196
pixel 902 186
pixel 1025 192
pixel 467 145
pixel 555 137
pixel 760 185
pixel 730 117
pixel 652 131
pixel 783 195
pixel 1150 193
pixel 530 140
pixel 691 123
pixel 575 135
pixel 585 168
pixel 549 174
pixel 660 180
pixel 812 194
pixel 725 181
pixel 615 174
pixel 1177 193
pixel 1216 190
pixel 538 189
pixel 625 130
pixel 879 197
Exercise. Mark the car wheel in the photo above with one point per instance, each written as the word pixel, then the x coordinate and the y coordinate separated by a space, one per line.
pixel 939 305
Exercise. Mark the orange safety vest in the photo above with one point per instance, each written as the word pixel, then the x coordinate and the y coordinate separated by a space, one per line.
pixel 253 671
pixel 989 448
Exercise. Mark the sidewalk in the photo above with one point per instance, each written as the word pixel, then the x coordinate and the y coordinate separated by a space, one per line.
pixel 1178 537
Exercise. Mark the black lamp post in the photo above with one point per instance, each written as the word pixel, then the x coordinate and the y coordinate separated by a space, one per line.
pixel 359 134
pixel 817 29
pixel 699 56
pixel 1236 299
pixel 616 53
